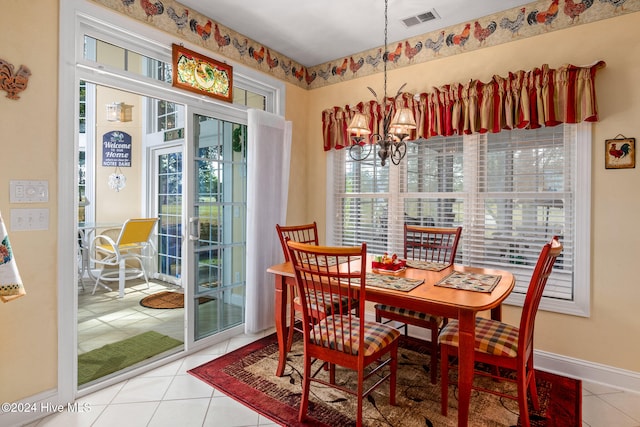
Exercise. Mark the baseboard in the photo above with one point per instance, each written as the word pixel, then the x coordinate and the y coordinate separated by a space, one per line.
pixel 31 409
pixel 589 371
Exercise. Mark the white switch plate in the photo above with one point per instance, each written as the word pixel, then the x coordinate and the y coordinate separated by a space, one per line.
pixel 29 219
pixel 28 191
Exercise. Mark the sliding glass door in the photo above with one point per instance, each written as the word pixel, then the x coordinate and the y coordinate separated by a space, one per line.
pixel 188 168
pixel 167 172
pixel 217 228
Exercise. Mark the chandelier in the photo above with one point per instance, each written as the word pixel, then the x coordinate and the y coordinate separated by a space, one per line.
pixel 391 142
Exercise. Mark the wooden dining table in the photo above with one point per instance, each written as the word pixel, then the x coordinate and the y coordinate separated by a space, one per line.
pixel 452 303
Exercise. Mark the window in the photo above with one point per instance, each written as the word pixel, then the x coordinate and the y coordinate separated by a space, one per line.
pixel 511 192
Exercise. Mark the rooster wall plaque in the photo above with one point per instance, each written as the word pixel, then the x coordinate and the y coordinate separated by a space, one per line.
pixel 620 153
pixel 13 83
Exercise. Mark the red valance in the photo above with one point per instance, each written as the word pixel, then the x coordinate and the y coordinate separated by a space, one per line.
pixel 522 100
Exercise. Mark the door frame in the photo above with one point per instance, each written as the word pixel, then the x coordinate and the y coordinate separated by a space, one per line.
pixel 76 18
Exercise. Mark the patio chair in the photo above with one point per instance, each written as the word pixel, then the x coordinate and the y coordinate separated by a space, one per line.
pixel 124 258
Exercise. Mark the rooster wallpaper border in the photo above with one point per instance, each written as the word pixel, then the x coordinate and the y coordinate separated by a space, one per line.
pixel 620 158
pixel 535 18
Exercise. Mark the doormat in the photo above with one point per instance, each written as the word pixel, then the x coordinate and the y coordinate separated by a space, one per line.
pixel 248 376
pixel 113 357
pixel 168 300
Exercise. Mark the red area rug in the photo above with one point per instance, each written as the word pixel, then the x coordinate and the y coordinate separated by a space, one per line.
pixel 247 375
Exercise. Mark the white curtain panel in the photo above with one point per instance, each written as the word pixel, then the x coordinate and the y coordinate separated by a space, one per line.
pixel 268 157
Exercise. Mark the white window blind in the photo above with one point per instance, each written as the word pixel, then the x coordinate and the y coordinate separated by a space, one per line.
pixel 522 194
pixel 511 192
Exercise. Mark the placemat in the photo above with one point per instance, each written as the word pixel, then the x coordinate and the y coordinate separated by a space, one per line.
pixel 470 281
pixel 331 261
pixel 387 281
pixel 426 265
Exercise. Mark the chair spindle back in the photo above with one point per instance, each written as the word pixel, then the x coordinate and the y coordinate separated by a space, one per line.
pixel 431 244
pixel 330 274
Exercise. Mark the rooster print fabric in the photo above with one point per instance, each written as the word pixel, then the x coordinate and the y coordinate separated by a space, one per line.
pixel 10 282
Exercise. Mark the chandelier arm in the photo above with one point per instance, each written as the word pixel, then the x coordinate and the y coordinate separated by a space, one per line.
pixel 398 151
pixel 359 147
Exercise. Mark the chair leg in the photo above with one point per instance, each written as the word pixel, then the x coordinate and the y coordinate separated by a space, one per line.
pixel 95 285
pixel 332 373
pixel 522 397
pixel 292 321
pixel 306 383
pixel 444 380
pixel 144 272
pixel 434 354
pixel 533 390
pixel 360 398
pixel 394 376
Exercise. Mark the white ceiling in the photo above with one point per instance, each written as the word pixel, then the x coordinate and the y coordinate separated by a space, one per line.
pixel 313 32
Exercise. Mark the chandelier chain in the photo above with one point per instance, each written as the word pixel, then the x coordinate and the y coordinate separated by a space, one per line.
pixel 385 56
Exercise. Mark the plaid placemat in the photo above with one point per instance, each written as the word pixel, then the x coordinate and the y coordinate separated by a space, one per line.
pixel 426 265
pixel 324 262
pixel 470 281
pixel 392 282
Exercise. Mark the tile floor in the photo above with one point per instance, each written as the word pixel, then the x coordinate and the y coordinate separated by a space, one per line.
pixel 104 318
pixel 168 396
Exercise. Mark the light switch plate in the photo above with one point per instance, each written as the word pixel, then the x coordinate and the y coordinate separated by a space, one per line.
pixel 29 219
pixel 28 191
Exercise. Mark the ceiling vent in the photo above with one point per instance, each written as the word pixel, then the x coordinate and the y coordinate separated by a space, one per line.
pixel 420 18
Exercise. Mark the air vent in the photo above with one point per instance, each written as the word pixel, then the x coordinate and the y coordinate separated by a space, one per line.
pixel 420 18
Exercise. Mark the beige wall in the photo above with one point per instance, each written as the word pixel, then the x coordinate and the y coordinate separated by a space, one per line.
pixel 29 151
pixel 116 206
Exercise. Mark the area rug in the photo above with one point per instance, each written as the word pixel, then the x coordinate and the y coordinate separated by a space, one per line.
pixel 247 375
pixel 168 300
pixel 113 357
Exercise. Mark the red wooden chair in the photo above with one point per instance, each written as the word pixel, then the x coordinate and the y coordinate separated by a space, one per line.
pixel 504 346
pixel 305 233
pixel 425 244
pixel 341 337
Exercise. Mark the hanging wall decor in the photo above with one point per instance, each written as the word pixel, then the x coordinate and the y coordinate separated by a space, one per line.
pixel 620 153
pixel 116 149
pixel 197 73
pixel 13 83
pixel 117 180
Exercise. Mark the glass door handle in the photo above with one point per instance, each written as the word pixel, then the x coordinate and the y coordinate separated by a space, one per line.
pixel 194 228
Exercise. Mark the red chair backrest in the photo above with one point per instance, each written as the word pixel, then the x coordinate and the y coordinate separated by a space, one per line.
pixel 431 243
pixel 306 233
pixel 335 274
pixel 542 271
